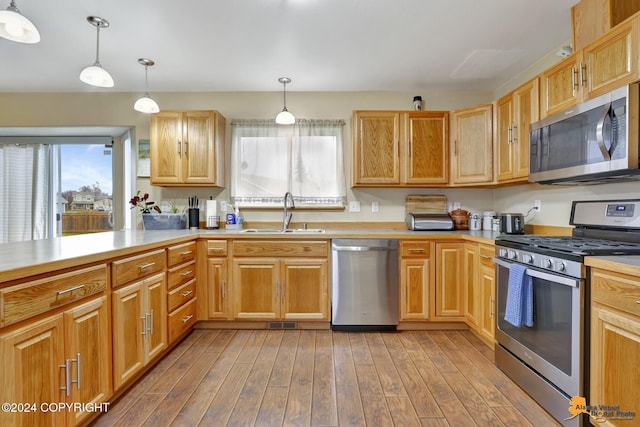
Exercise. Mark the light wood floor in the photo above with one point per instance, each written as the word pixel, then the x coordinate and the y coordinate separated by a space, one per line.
pixel 323 378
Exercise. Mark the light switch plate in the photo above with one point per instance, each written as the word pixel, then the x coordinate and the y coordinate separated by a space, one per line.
pixel 223 206
pixel 354 206
pixel 375 207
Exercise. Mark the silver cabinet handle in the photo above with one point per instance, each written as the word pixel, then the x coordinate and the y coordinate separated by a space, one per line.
pixel 186 273
pixel 144 325
pixel 583 74
pixel 66 291
pixel 179 147
pixel 186 293
pixel 485 256
pixel 216 249
pixel 150 324
pixel 223 289
pixel 186 252
pixel 491 306
pixel 509 135
pixel 282 293
pixel 186 148
pixel 514 132
pixel 574 79
pixel 416 249
pixel 186 319
pixel 147 265
pixel 77 381
pixel 67 377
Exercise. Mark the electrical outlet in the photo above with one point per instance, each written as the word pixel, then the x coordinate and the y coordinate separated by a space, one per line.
pixel 537 205
pixel 223 206
pixel 354 206
pixel 456 205
pixel 375 207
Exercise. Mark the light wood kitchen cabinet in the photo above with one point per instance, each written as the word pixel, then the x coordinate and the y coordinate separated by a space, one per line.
pixel 472 291
pixel 591 19
pixel 400 148
pixel 514 113
pixel 415 277
pixel 187 148
pixel 181 289
pixel 472 145
pixel 607 63
pixel 139 326
pixel 449 276
pixel 63 358
pixel 615 342
pixel 480 290
pixel 213 285
pixel 276 280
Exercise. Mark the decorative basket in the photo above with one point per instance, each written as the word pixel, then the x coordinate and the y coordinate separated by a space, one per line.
pixel 460 219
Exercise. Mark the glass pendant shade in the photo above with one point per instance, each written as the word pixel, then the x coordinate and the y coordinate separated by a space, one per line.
pixel 284 117
pixel 16 27
pixel 146 105
pixel 94 74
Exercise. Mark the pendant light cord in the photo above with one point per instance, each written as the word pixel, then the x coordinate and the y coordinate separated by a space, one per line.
pixel 285 96
pixel 98 46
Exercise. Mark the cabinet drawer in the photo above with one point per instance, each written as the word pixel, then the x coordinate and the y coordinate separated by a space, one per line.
pixel 414 249
pixel 617 290
pixel 216 248
pixel 182 294
pixel 181 320
pixel 181 275
pixel 486 255
pixel 181 253
pixel 28 299
pixel 137 267
pixel 280 248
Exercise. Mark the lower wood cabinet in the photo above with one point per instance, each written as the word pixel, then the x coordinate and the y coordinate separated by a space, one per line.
pixel 415 278
pixel 213 283
pixel 63 358
pixel 480 290
pixel 449 277
pixel 139 326
pixel 615 343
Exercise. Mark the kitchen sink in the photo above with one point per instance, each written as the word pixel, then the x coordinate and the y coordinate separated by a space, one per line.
pixel 283 230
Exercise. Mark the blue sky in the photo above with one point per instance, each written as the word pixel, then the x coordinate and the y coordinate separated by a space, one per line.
pixel 86 165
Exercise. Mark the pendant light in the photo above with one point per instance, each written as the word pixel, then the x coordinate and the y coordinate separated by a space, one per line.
pixel 284 117
pixel 95 75
pixel 146 104
pixel 16 27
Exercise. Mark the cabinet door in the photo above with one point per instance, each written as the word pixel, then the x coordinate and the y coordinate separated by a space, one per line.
pixel 560 86
pixel 376 138
pixel 156 313
pixel 488 305
pixel 472 290
pixel 505 122
pixel 414 293
pixel 615 345
pixel 167 148
pixel 199 137
pixel 89 344
pixel 449 292
pixel 526 109
pixel 129 324
pixel 31 373
pixel 217 304
pixel 425 151
pixel 612 60
pixel 305 289
pixel 256 288
pixel 472 151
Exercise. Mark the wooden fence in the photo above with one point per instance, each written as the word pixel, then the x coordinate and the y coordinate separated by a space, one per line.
pixel 85 222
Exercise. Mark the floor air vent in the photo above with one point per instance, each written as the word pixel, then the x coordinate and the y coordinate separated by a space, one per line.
pixel 282 325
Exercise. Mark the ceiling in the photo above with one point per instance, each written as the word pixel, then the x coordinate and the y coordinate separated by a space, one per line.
pixel 322 45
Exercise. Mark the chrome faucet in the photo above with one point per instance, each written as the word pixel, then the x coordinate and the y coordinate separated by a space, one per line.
pixel 286 219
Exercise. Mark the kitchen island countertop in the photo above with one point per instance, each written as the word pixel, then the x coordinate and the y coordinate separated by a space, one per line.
pixel 22 259
pixel 627 264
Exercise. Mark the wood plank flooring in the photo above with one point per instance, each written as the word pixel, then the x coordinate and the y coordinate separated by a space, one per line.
pixel 324 378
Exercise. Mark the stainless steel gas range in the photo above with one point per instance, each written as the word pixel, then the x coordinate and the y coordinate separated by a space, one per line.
pixel 550 358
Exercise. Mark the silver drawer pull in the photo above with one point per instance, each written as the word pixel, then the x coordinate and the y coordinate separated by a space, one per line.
pixel 147 265
pixel 186 293
pixel 186 319
pixel 638 302
pixel 485 256
pixel 186 252
pixel 186 273
pixel 66 291
pixel 216 249
pixel 416 249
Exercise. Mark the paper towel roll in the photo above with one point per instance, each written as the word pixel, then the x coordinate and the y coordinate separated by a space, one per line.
pixel 211 208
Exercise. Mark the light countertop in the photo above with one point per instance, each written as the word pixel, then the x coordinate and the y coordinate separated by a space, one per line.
pixel 627 264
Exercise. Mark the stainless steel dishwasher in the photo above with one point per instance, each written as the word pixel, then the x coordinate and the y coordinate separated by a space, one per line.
pixel 364 284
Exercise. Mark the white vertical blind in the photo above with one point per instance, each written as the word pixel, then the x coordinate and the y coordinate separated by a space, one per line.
pixel 24 192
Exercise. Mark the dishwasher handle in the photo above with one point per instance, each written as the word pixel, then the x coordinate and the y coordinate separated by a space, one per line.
pixel 362 248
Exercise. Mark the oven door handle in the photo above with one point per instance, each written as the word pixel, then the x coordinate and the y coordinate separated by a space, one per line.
pixel 561 280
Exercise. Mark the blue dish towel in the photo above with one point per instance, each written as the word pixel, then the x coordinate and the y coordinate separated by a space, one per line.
pixel 519 309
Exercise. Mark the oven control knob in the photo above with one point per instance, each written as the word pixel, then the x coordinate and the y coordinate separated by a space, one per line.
pixel 502 253
pixel 512 255
pixel 528 258
pixel 547 263
pixel 562 266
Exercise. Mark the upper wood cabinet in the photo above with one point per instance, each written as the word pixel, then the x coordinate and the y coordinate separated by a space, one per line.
pixel 591 19
pixel 472 145
pixel 607 63
pixel 187 148
pixel 399 148
pixel 514 113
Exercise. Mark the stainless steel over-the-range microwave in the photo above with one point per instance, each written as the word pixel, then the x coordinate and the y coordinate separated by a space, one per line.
pixel 596 141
